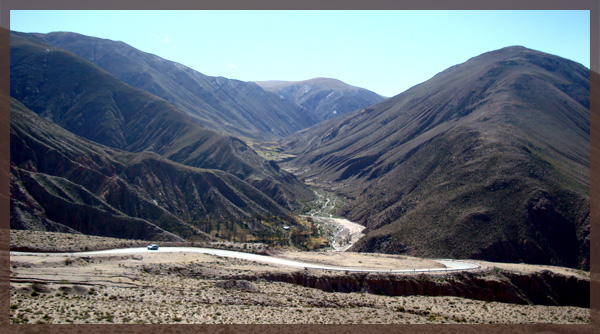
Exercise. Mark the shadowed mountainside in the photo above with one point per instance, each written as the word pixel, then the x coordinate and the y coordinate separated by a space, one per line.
pixel 488 159
pixel 85 100
pixel 324 98
pixel 231 106
pixel 61 182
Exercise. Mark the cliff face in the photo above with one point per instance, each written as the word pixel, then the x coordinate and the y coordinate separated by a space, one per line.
pixel 543 288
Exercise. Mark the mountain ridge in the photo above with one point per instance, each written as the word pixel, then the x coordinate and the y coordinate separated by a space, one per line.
pixel 507 129
pixel 229 106
pixel 91 103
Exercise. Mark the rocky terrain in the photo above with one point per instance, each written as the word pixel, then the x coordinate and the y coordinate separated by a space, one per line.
pixel 196 288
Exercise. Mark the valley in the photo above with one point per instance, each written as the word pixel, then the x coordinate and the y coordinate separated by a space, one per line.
pixel 464 199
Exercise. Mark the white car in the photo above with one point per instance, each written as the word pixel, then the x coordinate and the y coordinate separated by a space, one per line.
pixel 153 247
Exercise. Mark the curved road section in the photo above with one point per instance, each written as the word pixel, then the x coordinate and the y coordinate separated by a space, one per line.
pixel 451 265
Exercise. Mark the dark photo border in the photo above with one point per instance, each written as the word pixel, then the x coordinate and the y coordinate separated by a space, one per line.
pixel 591 5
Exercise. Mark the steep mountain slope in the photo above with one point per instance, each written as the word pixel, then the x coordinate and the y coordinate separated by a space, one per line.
pixel 91 103
pixel 61 182
pixel 230 106
pixel 323 97
pixel 488 159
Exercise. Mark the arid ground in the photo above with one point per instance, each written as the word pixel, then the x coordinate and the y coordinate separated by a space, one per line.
pixel 197 288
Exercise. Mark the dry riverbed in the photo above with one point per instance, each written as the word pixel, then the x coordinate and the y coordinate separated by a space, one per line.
pixel 197 288
pixel 346 232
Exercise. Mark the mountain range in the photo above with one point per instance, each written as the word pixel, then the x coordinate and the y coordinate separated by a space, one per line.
pixel 144 170
pixel 91 103
pixel 489 159
pixel 232 107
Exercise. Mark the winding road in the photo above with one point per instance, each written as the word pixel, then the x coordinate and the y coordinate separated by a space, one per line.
pixel 451 265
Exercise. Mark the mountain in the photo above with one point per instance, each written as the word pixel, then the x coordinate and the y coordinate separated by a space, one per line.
pixel 62 182
pixel 233 107
pixel 322 97
pixel 488 159
pixel 91 103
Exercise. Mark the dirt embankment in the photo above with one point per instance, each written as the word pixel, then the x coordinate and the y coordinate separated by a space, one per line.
pixel 541 288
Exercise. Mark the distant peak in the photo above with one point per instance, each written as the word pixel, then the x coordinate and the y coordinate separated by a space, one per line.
pixel 323 79
pixel 510 51
pixel 514 47
pixel 320 82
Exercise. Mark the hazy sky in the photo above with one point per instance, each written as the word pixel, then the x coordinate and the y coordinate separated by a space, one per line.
pixel 384 51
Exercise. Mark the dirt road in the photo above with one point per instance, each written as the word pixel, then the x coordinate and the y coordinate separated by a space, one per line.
pixel 446 265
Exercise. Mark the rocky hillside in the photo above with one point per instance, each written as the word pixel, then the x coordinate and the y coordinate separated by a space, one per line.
pixel 489 159
pixel 61 182
pixel 86 100
pixel 234 107
pixel 323 98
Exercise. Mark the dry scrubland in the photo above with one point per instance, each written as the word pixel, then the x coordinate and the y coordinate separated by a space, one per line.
pixel 197 288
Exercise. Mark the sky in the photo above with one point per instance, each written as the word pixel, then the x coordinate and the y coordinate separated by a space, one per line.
pixel 384 51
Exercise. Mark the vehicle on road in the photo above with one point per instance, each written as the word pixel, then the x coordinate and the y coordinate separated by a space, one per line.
pixel 153 247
